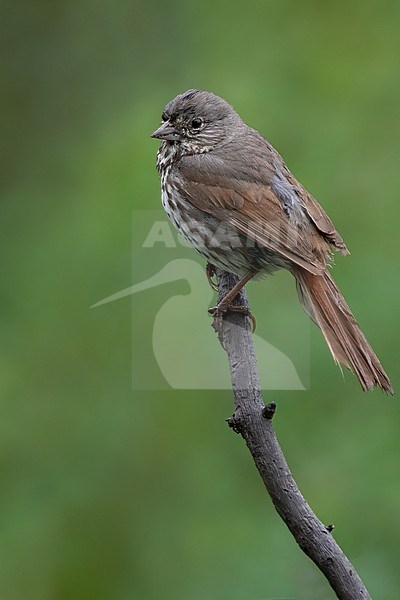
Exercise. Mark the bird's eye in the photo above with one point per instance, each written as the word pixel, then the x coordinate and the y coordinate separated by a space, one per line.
pixel 196 123
pixel 164 117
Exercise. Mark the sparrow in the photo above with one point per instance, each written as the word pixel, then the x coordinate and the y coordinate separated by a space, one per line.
pixel 230 194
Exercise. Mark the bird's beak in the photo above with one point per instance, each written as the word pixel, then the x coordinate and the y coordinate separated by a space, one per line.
pixel 166 132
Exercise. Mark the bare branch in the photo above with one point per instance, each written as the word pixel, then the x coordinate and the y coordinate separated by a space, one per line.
pixel 253 420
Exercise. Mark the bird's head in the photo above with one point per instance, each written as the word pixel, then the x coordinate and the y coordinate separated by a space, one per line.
pixel 197 121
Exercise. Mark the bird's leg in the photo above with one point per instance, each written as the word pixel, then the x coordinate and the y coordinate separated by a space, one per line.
pixel 225 305
pixel 210 272
pixel 230 296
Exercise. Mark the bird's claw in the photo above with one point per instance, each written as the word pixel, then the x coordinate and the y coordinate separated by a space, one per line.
pixel 219 311
pixel 210 272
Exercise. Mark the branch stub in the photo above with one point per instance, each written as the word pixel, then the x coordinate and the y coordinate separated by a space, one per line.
pixel 269 410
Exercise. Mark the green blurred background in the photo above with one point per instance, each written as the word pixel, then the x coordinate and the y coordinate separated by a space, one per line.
pixel 109 493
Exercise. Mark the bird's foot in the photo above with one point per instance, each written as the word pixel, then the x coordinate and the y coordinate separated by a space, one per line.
pixel 219 311
pixel 211 272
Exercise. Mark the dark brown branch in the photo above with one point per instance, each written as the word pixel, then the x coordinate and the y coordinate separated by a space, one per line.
pixel 253 420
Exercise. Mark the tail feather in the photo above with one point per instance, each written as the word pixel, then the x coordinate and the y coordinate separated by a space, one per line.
pixel 325 305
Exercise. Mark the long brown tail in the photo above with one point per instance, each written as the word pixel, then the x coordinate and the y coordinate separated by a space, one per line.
pixel 323 302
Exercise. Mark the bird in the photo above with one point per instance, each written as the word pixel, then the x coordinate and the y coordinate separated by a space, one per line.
pixel 230 194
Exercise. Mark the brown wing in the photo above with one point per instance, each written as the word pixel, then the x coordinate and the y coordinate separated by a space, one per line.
pixel 252 208
pixel 317 214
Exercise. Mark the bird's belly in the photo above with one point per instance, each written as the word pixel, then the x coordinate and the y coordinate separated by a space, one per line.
pixel 217 241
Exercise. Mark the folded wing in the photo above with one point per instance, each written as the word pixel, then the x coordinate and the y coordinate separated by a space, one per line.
pixel 277 213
